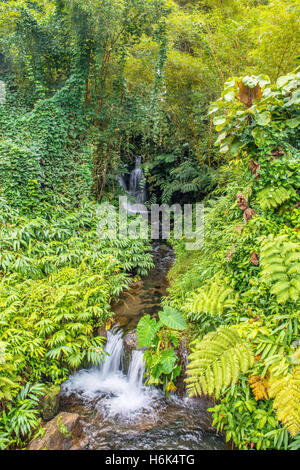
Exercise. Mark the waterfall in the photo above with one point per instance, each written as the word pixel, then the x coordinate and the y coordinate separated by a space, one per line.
pixel 137 188
pixel 119 394
pixel 114 347
pixel 136 370
pixel 137 182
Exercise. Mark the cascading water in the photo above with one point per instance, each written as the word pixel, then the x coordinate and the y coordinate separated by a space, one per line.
pixel 117 410
pixel 114 349
pixel 137 182
pixel 120 394
pixel 137 188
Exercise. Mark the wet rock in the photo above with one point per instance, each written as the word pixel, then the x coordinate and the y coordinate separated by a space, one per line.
pixel 136 285
pixel 49 404
pixel 164 248
pixel 64 432
pixel 130 342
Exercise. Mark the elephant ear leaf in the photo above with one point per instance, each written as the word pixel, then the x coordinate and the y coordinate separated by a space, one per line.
pixel 172 318
pixel 146 329
pixel 168 359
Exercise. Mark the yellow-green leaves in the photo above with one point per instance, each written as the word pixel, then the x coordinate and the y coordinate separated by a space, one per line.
pixel 280 260
pixel 216 361
pixel 286 393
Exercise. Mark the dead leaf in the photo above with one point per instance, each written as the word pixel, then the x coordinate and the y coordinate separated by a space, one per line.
pixel 247 94
pixel 248 214
pixel 254 258
pixel 242 203
pixel 254 168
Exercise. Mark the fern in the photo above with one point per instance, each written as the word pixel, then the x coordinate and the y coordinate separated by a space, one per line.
pixel 217 361
pixel 269 198
pixel 280 260
pixel 258 387
pixel 213 298
pixel 286 393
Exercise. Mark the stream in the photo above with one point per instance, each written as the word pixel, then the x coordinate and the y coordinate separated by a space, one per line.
pixel 117 411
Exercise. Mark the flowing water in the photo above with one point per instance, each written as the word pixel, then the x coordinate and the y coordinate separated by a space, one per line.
pixel 117 411
pixel 135 188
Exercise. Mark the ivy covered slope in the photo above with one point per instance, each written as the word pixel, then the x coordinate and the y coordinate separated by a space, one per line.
pixel 240 292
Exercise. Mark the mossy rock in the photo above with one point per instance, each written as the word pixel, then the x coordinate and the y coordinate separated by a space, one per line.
pixel 49 404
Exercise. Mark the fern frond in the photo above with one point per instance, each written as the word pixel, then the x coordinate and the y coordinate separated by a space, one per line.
pixel 280 260
pixel 213 298
pixel 217 361
pixel 269 198
pixel 286 393
pixel 258 387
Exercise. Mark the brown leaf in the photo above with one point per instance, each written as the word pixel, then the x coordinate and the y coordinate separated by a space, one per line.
pixel 254 258
pixel 228 254
pixel 248 214
pixel 254 168
pixel 247 94
pixel 242 203
pixel 238 229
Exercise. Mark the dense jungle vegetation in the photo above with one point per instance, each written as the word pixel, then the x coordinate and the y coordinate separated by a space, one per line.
pixel 208 93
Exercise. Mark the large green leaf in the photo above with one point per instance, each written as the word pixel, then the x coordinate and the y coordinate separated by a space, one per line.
pixel 168 359
pixel 263 118
pixel 172 318
pixel 293 123
pixel 146 330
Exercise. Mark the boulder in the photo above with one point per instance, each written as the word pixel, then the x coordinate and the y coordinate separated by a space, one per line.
pixel 130 342
pixel 64 432
pixel 49 404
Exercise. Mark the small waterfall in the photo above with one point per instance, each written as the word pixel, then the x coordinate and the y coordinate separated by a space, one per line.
pixel 136 369
pixel 137 182
pixel 136 189
pixel 119 394
pixel 114 347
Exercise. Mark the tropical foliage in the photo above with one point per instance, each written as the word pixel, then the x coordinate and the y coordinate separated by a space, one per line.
pixel 161 339
pixel 84 88
pixel 240 292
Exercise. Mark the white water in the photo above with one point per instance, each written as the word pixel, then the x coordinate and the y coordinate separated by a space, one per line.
pixel 137 181
pixel 136 189
pixel 119 394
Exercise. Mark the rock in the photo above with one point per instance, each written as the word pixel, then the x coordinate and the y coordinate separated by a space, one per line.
pixel 64 432
pixel 130 341
pixel 49 404
pixel 136 285
pixel 164 247
pixel 2 92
